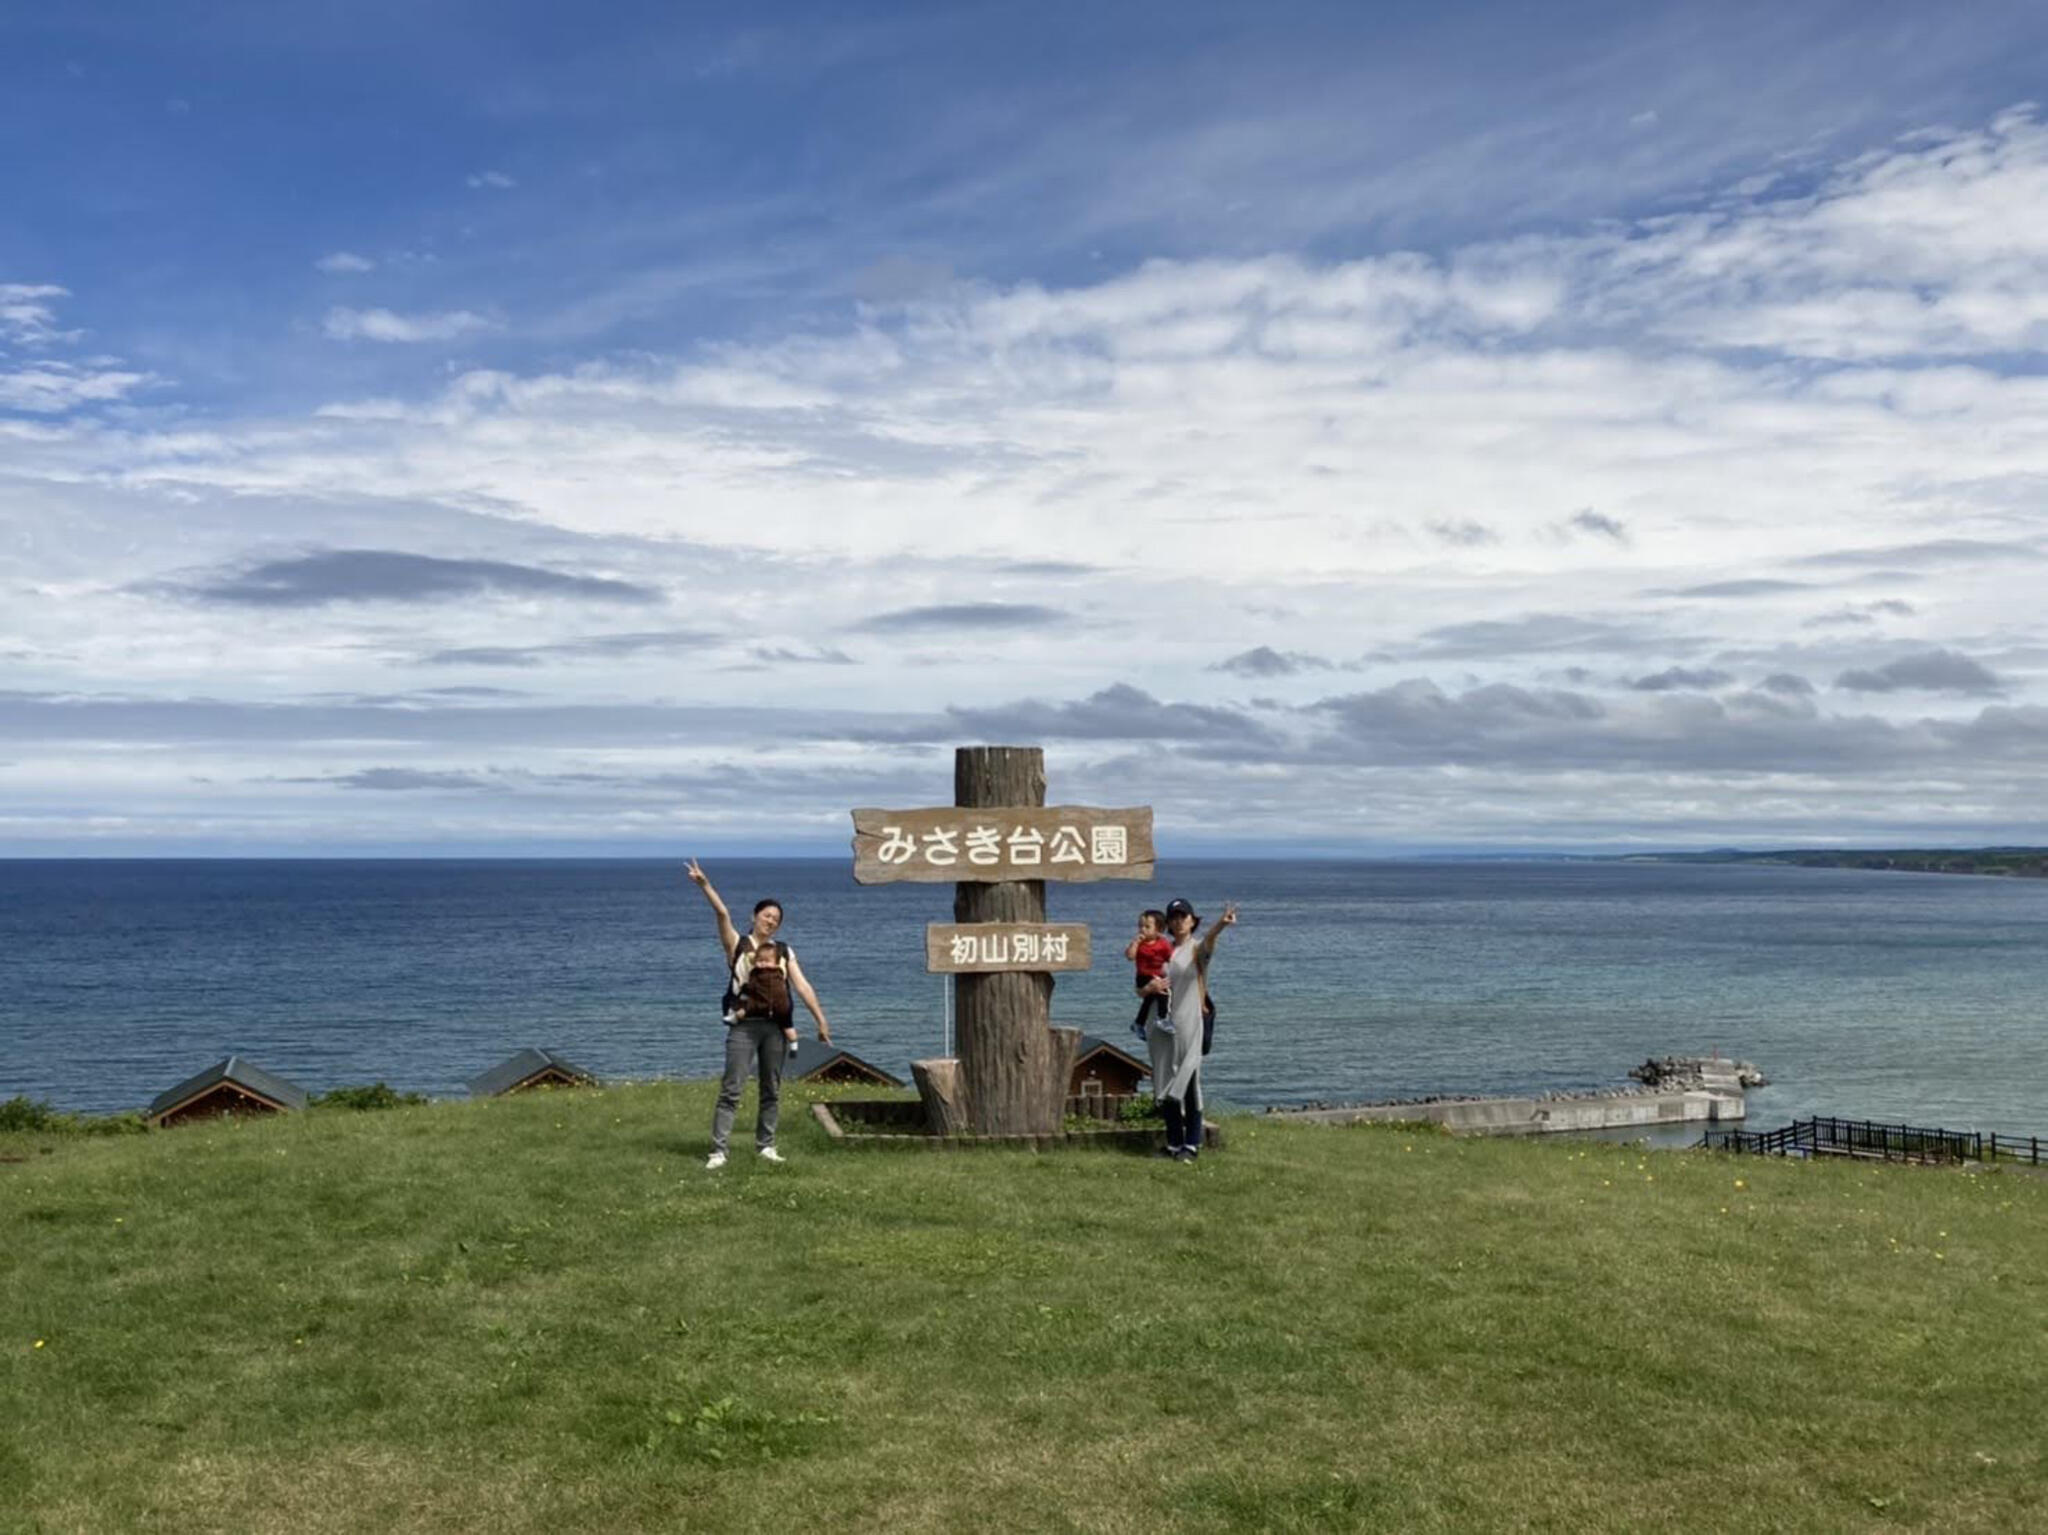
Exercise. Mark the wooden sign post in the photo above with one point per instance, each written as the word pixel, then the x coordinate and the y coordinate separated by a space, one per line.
pixel 1000 843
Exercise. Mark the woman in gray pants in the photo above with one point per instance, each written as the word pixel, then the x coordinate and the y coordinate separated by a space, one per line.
pixel 753 1045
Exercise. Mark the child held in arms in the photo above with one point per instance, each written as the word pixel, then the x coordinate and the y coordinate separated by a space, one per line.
pixel 1150 951
pixel 763 990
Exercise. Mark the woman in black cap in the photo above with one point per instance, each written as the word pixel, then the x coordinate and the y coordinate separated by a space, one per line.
pixel 1175 1041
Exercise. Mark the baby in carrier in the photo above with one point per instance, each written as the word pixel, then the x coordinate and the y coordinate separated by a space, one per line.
pixel 761 988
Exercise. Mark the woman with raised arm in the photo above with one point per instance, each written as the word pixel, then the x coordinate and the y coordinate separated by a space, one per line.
pixel 760 1020
pixel 1175 1041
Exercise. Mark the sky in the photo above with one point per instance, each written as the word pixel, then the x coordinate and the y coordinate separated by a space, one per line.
pixel 458 428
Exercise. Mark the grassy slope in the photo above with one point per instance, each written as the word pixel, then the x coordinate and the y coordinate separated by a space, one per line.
pixel 540 1313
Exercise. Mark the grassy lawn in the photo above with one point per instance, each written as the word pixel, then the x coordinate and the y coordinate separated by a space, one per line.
pixel 540 1313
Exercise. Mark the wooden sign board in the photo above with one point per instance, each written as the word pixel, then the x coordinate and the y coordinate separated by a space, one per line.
pixel 979 948
pixel 1020 842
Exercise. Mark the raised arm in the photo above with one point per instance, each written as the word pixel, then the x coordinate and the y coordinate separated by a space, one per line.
pixel 799 984
pixel 1207 947
pixel 728 936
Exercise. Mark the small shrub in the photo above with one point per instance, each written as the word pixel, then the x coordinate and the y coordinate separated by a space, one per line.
pixel 33 1116
pixel 1138 1106
pixel 22 1113
pixel 373 1095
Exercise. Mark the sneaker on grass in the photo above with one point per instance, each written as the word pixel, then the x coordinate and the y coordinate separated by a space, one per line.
pixel 770 1154
pixel 715 1161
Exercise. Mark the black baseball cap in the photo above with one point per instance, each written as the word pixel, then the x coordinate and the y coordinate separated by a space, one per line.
pixel 1178 907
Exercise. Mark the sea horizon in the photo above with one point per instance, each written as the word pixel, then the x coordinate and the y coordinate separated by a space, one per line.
pixel 1204 853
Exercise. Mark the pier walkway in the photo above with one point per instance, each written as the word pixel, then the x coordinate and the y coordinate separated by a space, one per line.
pixel 1676 1090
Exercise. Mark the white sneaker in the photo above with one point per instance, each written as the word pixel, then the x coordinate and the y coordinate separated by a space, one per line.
pixel 770 1154
pixel 715 1161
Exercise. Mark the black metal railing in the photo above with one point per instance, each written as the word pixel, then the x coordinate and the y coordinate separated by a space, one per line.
pixel 1884 1142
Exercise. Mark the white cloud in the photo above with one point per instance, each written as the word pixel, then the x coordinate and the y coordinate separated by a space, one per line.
pixel 1660 453
pixel 1308 420
pixel 383 325
pixel 27 318
pixel 341 262
pixel 47 385
pixel 495 179
pixel 52 388
pixel 1931 248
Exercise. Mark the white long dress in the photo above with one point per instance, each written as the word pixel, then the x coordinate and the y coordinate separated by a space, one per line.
pixel 1177 1055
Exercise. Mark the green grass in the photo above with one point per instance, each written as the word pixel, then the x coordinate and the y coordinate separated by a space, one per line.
pixel 541 1313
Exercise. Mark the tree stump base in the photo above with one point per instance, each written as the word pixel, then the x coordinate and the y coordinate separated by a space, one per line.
pixel 899 1124
pixel 939 1084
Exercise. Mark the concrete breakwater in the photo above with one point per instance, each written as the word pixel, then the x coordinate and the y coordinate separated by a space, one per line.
pixel 1674 1091
pixel 1715 1073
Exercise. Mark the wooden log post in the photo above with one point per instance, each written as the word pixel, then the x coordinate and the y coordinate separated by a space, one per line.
pixel 1005 1019
pixel 1066 1044
pixel 938 1084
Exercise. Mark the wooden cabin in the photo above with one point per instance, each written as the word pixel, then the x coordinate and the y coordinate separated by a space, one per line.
pixel 232 1086
pixel 830 1064
pixel 1104 1070
pixel 529 1069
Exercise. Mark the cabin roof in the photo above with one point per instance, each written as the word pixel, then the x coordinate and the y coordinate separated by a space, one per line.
pixel 239 1072
pixel 816 1065
pixel 1094 1044
pixel 522 1068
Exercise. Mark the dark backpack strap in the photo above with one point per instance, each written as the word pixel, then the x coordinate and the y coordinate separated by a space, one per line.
pixel 732 979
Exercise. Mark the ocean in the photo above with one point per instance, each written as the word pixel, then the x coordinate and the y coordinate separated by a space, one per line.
pixel 1883 995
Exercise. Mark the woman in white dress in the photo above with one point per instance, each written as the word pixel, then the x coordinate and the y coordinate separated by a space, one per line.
pixel 1175 1041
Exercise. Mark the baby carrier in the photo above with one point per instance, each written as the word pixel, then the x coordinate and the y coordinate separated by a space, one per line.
pixel 760 993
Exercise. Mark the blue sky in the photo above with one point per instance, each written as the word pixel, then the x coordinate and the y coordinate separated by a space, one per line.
pixel 499 427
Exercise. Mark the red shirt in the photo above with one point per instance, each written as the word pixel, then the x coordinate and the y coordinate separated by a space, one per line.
pixel 1153 956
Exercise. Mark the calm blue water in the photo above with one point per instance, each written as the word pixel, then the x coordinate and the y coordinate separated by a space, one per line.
pixel 1920 997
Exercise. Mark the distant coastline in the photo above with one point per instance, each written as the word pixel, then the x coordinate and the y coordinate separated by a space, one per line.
pixel 2011 862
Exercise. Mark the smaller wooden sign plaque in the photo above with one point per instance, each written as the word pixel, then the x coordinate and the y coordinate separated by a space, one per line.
pixel 980 948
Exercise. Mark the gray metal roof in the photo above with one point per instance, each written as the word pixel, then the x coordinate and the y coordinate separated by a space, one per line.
pixel 1090 1043
pixel 811 1065
pixel 523 1068
pixel 241 1073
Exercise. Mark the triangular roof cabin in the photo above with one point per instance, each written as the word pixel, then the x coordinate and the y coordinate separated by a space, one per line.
pixel 1115 1071
pixel 842 1066
pixel 529 1068
pixel 232 1086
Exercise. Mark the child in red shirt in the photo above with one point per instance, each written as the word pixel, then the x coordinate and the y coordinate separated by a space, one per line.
pixel 1150 951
